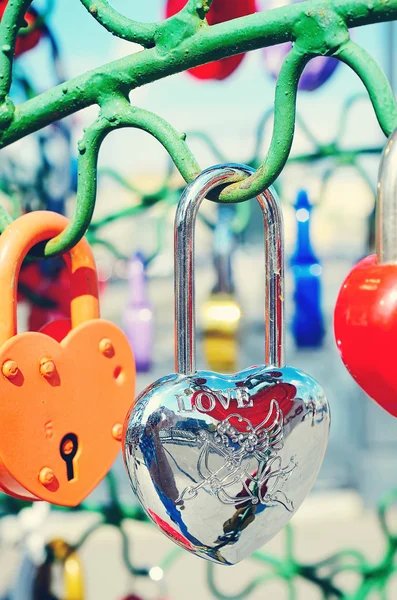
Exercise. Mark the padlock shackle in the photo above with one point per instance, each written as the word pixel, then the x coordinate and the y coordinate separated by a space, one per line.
pixel 386 204
pixel 184 240
pixel 223 248
pixel 16 241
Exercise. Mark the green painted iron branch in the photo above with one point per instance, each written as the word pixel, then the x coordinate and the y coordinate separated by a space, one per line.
pixel 203 45
pixel 116 114
pixel 317 27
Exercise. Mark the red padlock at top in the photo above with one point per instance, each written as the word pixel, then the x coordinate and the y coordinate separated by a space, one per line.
pixel 30 39
pixel 219 12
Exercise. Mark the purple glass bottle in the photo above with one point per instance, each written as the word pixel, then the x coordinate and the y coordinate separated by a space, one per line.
pixel 316 73
pixel 138 315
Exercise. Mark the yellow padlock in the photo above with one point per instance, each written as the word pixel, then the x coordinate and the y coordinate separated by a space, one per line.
pixel 72 570
pixel 221 320
pixel 73 580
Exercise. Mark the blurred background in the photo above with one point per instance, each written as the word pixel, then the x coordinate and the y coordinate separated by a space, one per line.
pixel 327 191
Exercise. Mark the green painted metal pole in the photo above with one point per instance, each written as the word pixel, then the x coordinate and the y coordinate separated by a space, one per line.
pixel 316 27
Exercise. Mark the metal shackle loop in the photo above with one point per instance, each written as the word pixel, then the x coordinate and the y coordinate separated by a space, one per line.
pixel 16 241
pixel 184 237
pixel 386 204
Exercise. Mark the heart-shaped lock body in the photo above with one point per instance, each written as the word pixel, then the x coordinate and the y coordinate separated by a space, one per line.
pixel 212 454
pixel 222 462
pixel 365 317
pixel 365 326
pixel 62 402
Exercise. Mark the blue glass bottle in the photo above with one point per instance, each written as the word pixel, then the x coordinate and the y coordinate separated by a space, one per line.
pixel 308 321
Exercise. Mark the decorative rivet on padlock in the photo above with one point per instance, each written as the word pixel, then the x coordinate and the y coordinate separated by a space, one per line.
pixel 237 453
pixel 46 476
pixel 47 368
pixel 106 347
pixel 117 432
pixel 10 369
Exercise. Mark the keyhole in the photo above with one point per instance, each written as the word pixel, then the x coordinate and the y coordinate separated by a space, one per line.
pixel 68 449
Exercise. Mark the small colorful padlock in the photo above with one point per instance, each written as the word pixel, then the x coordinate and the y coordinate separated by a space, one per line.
pixel 63 401
pixel 60 553
pixel 138 314
pixel 221 312
pixel 222 462
pixel 308 321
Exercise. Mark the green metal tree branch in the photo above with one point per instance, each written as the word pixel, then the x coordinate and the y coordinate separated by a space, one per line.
pixel 115 114
pixel 207 44
pixel 375 80
pixel 316 27
pixel 134 31
pixel 283 132
pixel 11 22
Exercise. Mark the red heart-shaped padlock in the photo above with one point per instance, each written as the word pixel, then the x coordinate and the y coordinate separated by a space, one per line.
pixel 365 320
pixel 219 12
pixel 62 402
pixel 365 325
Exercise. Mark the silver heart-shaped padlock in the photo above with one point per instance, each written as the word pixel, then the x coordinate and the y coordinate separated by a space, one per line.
pixel 222 462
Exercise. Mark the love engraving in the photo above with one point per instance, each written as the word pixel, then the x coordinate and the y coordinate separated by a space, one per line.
pixel 207 400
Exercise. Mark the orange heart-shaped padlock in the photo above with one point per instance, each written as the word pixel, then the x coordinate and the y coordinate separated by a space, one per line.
pixel 62 403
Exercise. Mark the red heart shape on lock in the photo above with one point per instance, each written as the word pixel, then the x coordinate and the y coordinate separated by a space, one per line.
pixel 220 405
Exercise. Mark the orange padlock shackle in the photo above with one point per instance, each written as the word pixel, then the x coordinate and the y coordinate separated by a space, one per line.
pixel 16 241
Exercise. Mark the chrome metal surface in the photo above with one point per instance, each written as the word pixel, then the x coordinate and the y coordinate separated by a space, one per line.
pixel 185 219
pixel 223 248
pixel 220 462
pixel 386 204
pixel 391 42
